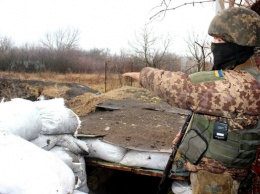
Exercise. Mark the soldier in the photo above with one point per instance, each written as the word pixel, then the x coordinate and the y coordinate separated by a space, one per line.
pixel 256 7
pixel 220 144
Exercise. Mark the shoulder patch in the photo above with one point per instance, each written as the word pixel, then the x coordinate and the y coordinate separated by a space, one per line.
pixel 206 76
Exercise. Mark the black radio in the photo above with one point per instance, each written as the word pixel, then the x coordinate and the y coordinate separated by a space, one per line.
pixel 220 131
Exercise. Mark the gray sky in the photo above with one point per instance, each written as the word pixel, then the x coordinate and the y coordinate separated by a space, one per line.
pixel 102 23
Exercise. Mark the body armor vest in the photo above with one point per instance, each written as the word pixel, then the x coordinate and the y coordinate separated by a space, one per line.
pixel 238 150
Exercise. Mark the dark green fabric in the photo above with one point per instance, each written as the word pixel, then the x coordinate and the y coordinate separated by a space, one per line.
pixel 238 151
pixel 193 146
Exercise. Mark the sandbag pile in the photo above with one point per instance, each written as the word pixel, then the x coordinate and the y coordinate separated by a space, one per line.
pixel 128 157
pixel 39 152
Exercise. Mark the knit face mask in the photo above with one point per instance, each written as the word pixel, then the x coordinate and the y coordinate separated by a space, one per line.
pixel 228 55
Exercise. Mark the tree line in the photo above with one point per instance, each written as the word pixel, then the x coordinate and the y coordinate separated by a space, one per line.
pixel 59 52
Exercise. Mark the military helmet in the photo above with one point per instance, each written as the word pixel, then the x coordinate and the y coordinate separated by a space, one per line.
pixel 238 25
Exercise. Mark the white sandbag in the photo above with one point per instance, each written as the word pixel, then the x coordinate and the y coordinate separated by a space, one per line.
pixel 67 141
pixel 82 176
pixel 150 160
pixel 75 145
pixel 56 118
pixel 28 169
pixel 105 151
pixel 20 117
pixel 45 142
pixel 181 187
pixel 76 163
pixel 65 155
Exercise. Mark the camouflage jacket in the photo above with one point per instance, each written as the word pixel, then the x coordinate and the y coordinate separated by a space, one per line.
pixel 257 56
pixel 235 97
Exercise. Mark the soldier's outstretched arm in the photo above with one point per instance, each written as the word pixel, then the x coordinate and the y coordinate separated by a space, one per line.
pixel 134 75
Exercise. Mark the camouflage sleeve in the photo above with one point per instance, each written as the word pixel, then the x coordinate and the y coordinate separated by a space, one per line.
pixel 236 96
pixel 173 87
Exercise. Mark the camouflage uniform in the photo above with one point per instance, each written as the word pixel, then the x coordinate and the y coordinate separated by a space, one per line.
pixel 256 7
pixel 234 97
pixel 257 56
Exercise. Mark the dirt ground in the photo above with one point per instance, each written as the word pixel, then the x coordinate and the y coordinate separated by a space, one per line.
pixel 130 117
pixel 135 124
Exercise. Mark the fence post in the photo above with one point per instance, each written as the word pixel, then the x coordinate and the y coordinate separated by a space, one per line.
pixel 132 71
pixel 106 76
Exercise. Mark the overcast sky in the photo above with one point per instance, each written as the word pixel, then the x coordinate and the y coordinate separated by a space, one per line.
pixel 102 23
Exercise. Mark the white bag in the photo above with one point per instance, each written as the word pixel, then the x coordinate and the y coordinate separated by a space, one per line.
pixel 77 165
pixel 46 142
pixel 20 117
pixel 150 160
pixel 28 169
pixel 56 118
pixel 105 151
pixel 68 141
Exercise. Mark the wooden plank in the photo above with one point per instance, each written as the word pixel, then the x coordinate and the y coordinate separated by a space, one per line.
pixel 135 170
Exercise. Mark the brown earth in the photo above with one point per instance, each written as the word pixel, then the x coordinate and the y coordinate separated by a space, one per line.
pixel 131 117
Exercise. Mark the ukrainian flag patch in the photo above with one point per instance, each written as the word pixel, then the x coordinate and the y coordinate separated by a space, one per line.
pixel 218 73
pixel 206 76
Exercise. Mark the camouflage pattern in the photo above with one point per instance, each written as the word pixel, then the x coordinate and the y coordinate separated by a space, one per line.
pixel 235 98
pixel 208 183
pixel 214 166
pixel 256 7
pixel 257 56
pixel 238 25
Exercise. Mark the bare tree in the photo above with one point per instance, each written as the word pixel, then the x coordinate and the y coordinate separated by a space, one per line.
pixel 237 3
pixel 165 5
pixel 6 52
pixel 6 44
pixel 61 39
pixel 150 50
pixel 199 48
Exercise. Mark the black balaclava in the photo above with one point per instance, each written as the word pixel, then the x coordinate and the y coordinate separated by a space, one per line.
pixel 228 55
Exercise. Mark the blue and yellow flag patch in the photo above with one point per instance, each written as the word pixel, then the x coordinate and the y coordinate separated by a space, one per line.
pixel 206 76
pixel 218 73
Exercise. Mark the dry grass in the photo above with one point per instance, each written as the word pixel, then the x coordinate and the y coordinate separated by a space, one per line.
pixel 95 81
pixel 117 88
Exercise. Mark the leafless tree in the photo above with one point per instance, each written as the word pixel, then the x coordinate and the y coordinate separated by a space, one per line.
pixel 237 3
pixel 199 48
pixel 166 5
pixel 61 39
pixel 6 52
pixel 149 49
pixel 6 44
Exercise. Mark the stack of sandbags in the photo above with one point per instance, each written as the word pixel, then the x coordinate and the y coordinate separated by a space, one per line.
pixel 49 125
pixel 128 157
pixel 28 169
pixel 59 125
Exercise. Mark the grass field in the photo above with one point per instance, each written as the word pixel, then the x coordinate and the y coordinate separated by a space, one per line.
pixel 95 81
